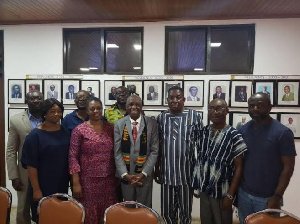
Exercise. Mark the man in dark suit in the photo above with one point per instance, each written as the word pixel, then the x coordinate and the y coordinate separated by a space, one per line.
pixel 136 150
pixel 16 92
pixel 112 94
pixel 152 95
pixel 241 95
pixel 71 94
pixel 219 93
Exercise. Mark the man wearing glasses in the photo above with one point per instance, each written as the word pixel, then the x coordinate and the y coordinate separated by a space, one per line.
pixel 219 166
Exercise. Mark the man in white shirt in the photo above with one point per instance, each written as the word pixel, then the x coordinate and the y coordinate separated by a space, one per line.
pixel 291 126
pixel 52 93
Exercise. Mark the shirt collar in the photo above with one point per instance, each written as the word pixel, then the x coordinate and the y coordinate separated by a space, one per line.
pixel 137 120
pixel 30 116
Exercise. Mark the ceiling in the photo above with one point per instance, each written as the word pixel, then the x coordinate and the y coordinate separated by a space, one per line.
pixel 97 11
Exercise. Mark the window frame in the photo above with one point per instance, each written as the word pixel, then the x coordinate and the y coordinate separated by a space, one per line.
pixel 251 47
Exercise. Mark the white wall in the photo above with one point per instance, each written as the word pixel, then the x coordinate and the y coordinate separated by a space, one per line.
pixel 37 49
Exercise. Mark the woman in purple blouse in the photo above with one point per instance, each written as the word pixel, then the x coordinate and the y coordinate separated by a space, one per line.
pixel 92 165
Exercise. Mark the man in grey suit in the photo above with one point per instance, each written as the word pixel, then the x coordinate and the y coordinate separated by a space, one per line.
pixel 52 93
pixel 136 150
pixel 20 126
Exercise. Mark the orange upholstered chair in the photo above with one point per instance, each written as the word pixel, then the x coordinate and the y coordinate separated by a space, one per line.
pixel 60 209
pixel 5 205
pixel 263 217
pixel 130 212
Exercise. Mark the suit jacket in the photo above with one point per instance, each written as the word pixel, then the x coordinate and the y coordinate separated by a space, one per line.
pixel 19 128
pixel 222 96
pixel 155 96
pixel 19 96
pixel 239 98
pixel 49 94
pixel 152 146
pixel 68 95
pixel 111 96
pixel 288 98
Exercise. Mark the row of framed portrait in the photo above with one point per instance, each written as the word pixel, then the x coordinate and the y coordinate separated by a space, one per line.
pixel 236 119
pixel 235 92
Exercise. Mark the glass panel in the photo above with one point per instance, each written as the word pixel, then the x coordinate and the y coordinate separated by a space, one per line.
pixel 233 53
pixel 124 51
pixel 186 50
pixel 83 51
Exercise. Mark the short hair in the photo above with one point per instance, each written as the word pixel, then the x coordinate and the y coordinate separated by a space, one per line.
pixel 193 87
pixel 175 88
pixel 16 85
pixel 71 86
pixel 93 98
pixel 287 86
pixel 48 104
pixel 218 87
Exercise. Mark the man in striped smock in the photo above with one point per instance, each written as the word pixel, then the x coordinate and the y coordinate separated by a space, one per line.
pixel 218 170
pixel 178 137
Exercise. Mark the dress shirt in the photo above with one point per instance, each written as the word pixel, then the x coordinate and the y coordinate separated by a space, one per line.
pixel 34 122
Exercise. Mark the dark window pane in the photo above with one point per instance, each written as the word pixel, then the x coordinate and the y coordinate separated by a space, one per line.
pixel 233 55
pixel 83 51
pixel 123 51
pixel 186 50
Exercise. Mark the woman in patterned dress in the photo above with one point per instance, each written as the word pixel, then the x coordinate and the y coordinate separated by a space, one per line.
pixel 92 165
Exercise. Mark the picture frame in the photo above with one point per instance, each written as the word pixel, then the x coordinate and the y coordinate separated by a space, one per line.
pixel 33 84
pixel 238 118
pixel 70 89
pixel 241 90
pixel 219 89
pixel 13 111
pixel 16 91
pixel 288 93
pixel 193 93
pixel 92 86
pixel 152 113
pixel 292 121
pixel 138 88
pixel 201 114
pixel 110 87
pixel 267 87
pixel 52 89
pixel 154 98
pixel 167 85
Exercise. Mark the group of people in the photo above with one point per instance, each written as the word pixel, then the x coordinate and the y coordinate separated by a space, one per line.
pixel 115 157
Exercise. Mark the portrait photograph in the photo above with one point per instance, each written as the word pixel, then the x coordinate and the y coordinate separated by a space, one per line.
pixel 110 87
pixel 12 112
pixel 266 87
pixel 134 88
pixel 92 86
pixel 152 93
pixel 34 85
pixel 152 113
pixel 240 92
pixel 193 93
pixel 167 86
pixel 219 89
pixel 288 93
pixel 238 119
pixel 70 89
pixel 16 91
pixel 292 121
pixel 52 89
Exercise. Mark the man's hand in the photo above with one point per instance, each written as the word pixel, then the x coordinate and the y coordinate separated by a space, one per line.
pixel 157 175
pixel 226 203
pixel 274 202
pixel 17 184
pixel 137 180
pixel 37 195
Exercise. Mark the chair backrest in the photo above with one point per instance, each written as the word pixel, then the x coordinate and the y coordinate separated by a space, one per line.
pixel 263 217
pixel 60 209
pixel 130 212
pixel 5 205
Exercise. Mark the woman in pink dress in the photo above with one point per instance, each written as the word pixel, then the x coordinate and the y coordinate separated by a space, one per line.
pixel 92 165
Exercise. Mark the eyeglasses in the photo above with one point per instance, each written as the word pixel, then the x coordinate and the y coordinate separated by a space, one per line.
pixel 217 109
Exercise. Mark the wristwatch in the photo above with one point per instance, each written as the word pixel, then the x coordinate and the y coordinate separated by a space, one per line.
pixel 229 196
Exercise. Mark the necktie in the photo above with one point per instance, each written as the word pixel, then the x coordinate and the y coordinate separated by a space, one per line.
pixel 134 131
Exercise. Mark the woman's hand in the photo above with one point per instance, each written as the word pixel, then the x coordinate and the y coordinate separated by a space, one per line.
pixel 37 195
pixel 77 190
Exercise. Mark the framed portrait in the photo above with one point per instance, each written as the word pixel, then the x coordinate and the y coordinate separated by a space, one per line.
pixel 16 91
pixel 167 86
pixel 288 93
pixel 152 113
pixel 219 89
pixel 238 119
pixel 266 87
pixel 292 121
pixel 134 88
pixel 34 85
pixel 52 89
pixel 193 93
pixel 12 112
pixel 70 89
pixel 92 86
pixel 241 90
pixel 152 93
pixel 110 87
